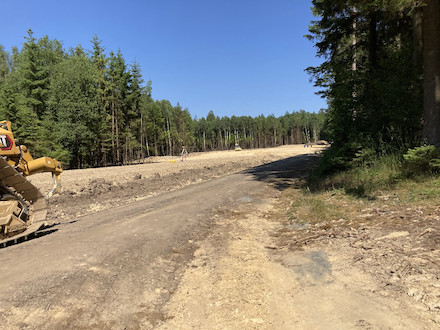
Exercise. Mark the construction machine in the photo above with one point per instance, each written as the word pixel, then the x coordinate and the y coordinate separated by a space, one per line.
pixel 23 208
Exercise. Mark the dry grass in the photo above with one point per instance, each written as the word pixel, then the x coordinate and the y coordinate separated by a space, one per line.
pixel 346 204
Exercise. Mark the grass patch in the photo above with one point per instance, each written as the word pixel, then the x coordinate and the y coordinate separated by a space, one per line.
pixel 323 207
pixel 364 180
pixel 383 184
pixel 421 190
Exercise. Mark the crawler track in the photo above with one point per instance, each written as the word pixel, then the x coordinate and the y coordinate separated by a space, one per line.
pixel 10 178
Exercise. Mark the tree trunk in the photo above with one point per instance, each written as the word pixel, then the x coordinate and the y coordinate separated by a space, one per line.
pixel 226 139
pixel 147 146
pixel 126 150
pixel 118 157
pixel 142 141
pixel 417 24
pixel 220 138
pixel 372 47
pixel 417 59
pixel 113 133
pixel 431 72
pixel 354 59
pixel 354 41
pixel 169 137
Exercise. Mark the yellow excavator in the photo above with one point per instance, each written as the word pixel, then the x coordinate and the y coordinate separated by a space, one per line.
pixel 23 208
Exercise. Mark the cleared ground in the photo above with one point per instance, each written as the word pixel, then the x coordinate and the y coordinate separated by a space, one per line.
pixel 90 190
pixel 174 245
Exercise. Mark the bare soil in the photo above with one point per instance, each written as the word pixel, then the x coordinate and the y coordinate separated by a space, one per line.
pixel 263 259
pixel 90 190
pixel 393 244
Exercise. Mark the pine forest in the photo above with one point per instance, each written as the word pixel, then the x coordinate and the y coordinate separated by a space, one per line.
pixel 380 75
pixel 89 108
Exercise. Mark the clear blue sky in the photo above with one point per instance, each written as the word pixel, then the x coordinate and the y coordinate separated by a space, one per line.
pixel 235 57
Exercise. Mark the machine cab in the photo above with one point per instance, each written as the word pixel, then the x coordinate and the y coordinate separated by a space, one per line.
pixel 7 141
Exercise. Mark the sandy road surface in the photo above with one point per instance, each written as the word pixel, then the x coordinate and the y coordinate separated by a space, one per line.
pixel 91 190
pixel 183 255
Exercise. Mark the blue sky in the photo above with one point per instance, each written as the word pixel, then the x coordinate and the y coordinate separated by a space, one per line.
pixel 235 57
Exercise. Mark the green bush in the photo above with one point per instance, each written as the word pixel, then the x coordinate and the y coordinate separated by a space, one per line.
pixel 364 156
pixel 336 159
pixel 424 159
pixel 370 174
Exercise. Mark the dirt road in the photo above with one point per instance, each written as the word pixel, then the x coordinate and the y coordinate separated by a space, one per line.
pixel 184 255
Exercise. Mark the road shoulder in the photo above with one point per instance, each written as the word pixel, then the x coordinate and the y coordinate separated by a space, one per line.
pixel 244 276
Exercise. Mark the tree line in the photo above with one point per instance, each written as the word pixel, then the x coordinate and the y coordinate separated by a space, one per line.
pixel 90 108
pixel 380 74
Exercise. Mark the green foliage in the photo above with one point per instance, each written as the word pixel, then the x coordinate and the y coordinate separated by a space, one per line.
pixel 364 180
pixel 336 159
pixel 349 155
pixel 424 159
pixel 4 64
pixel 74 107
pixel 368 76
pixel 89 108
pixel 368 173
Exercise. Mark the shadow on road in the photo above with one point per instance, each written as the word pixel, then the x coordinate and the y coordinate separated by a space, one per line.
pixel 29 237
pixel 284 173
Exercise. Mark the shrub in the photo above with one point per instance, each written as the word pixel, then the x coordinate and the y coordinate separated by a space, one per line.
pixel 364 179
pixel 424 159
